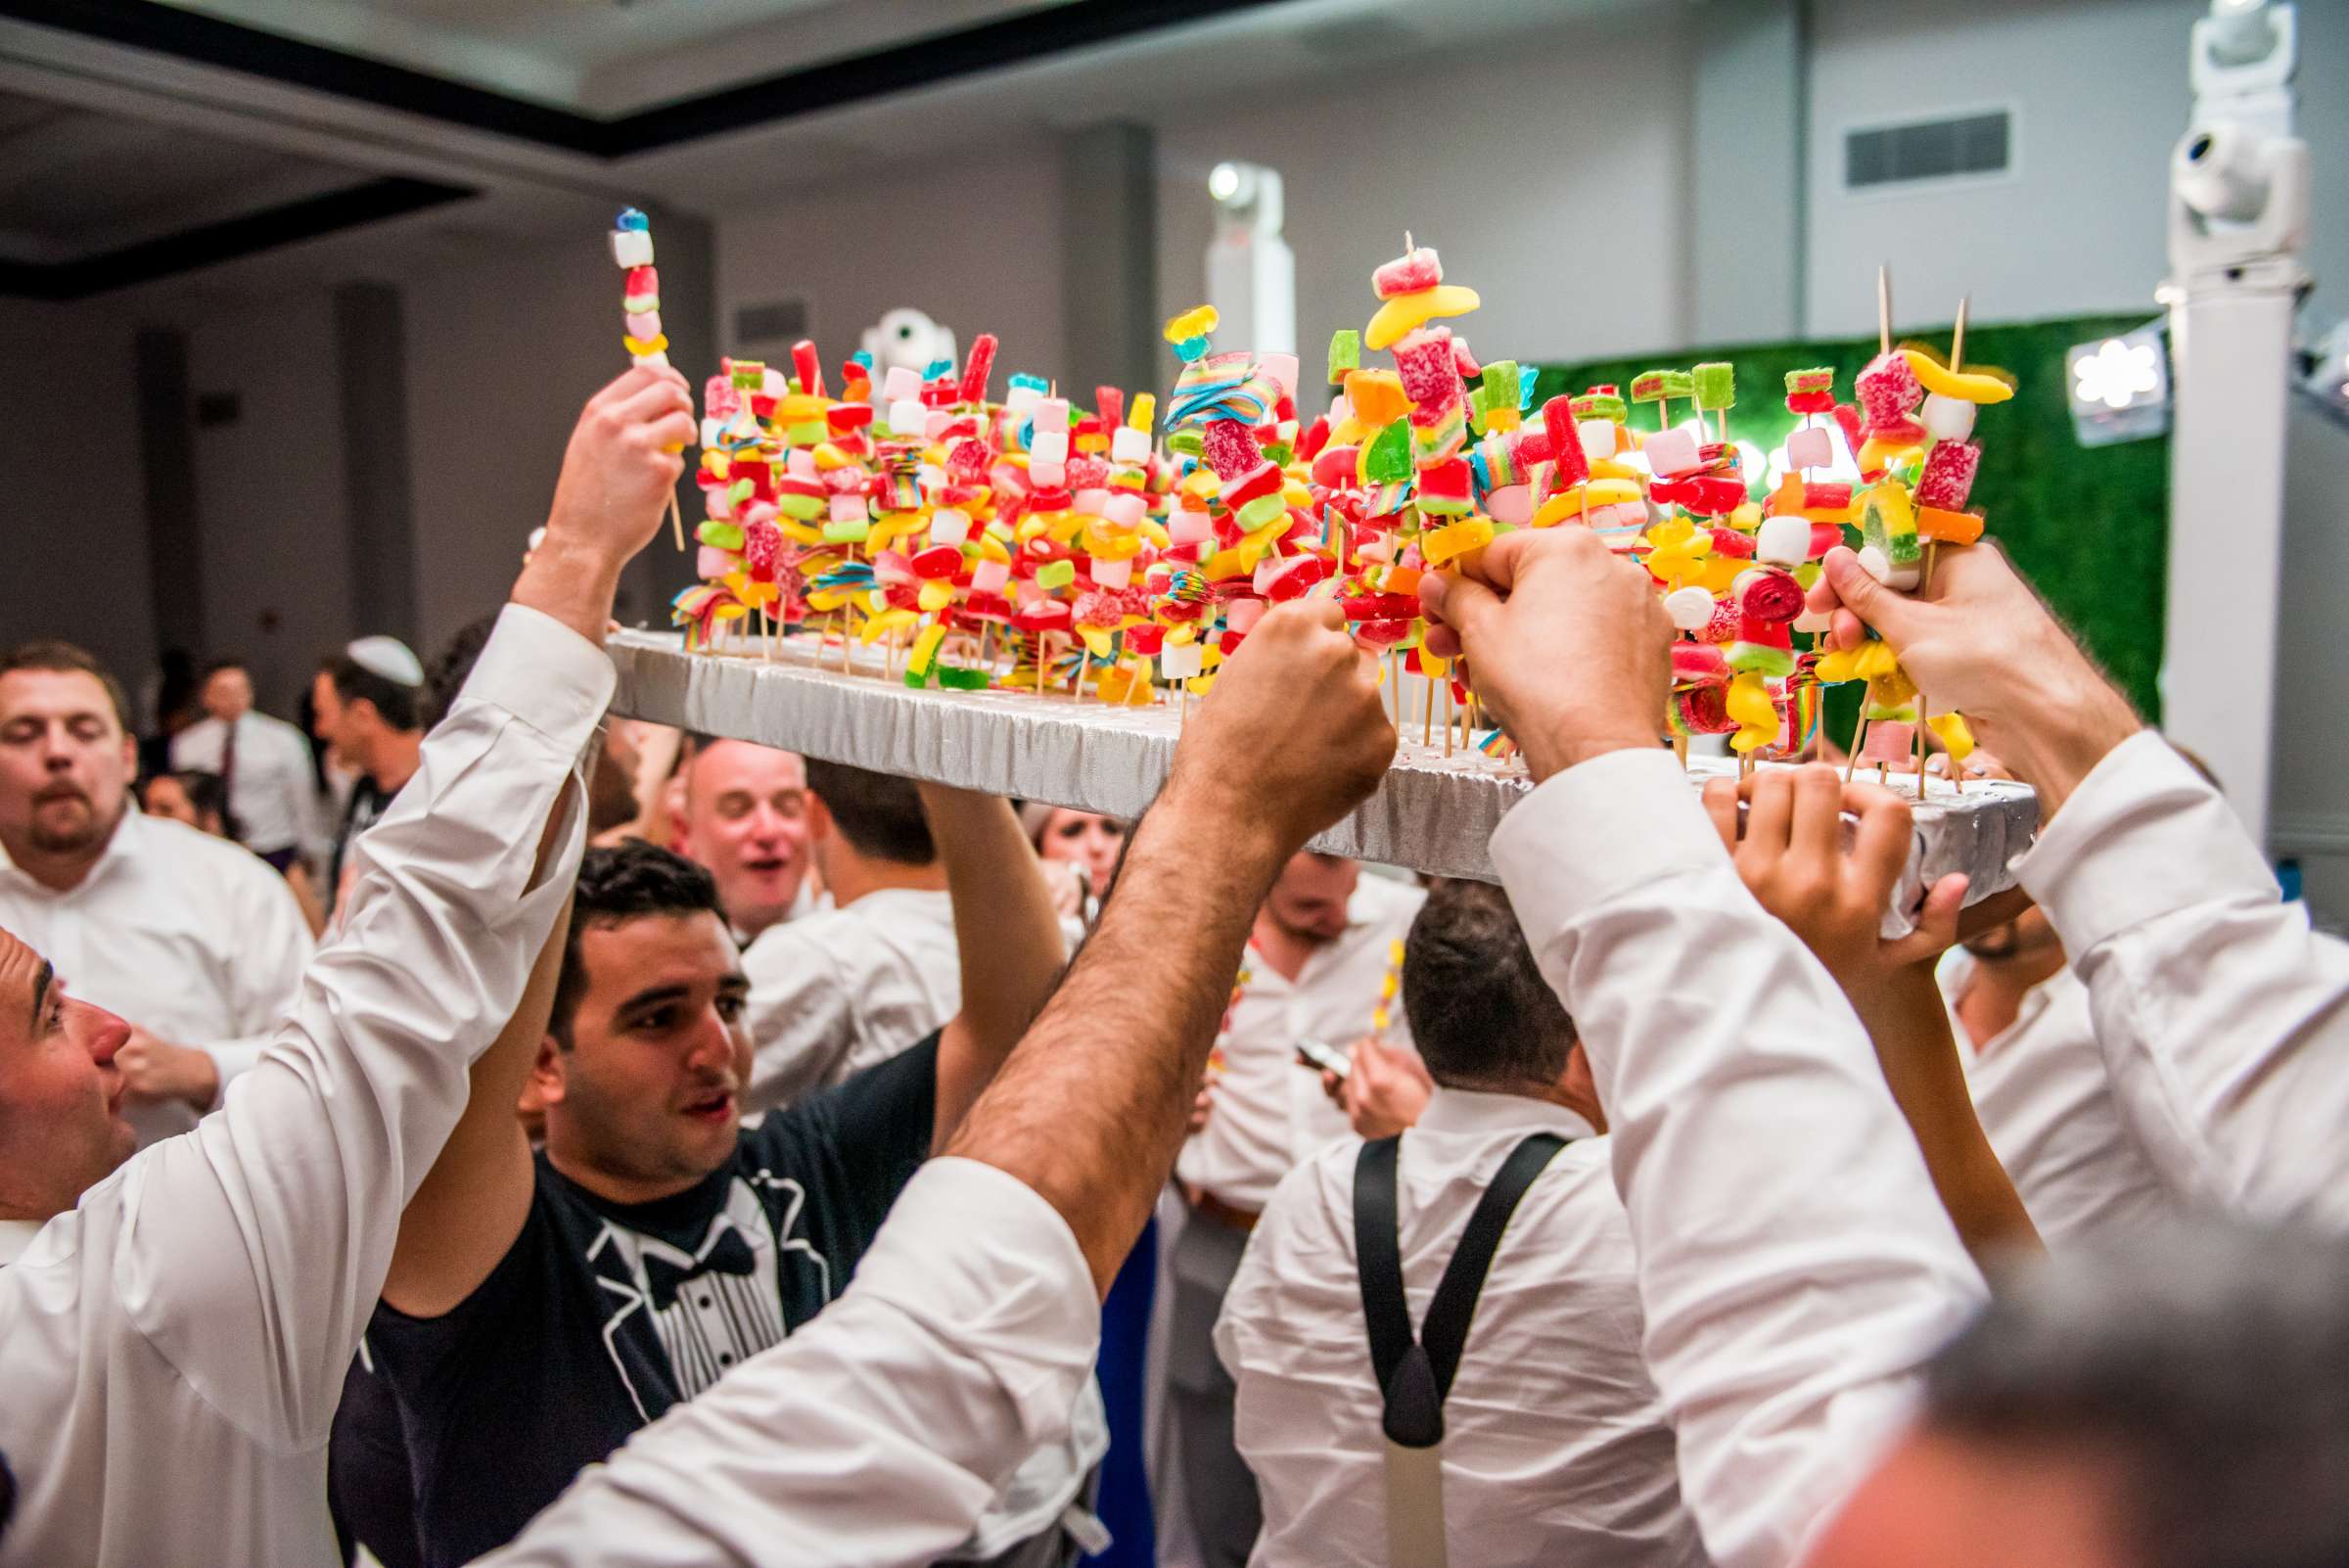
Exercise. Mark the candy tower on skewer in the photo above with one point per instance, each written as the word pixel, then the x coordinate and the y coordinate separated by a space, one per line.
pixel 640 307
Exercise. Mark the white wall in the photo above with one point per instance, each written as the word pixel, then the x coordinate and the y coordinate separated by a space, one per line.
pixel 73 518
pixel 975 245
pixel 1549 181
pixel 2099 95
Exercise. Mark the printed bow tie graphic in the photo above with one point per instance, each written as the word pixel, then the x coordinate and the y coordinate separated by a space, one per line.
pixel 728 1255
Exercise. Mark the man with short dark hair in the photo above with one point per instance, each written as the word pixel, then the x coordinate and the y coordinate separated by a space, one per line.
pixel 838 989
pixel 540 1310
pixel 741 809
pixel 194 941
pixel 1555 1448
pixel 262 763
pixel 367 700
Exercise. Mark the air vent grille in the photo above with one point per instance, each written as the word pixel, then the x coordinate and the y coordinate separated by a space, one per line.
pixel 771 321
pixel 1964 147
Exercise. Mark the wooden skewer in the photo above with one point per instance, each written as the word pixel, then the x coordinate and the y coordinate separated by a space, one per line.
pixel 677 521
pixel 1884 308
pixel 1851 760
pixel 1957 336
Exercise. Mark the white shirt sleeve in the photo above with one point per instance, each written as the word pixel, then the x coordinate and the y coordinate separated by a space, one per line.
pixel 273 950
pixel 1794 1265
pixel 2224 1019
pixel 876 1435
pixel 802 1008
pixel 276 1217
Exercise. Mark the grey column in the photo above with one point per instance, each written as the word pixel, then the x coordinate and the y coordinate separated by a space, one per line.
pixel 1109 259
pixel 167 468
pixel 1748 209
pixel 377 505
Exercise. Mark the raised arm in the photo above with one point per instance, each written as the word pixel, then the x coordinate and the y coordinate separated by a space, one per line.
pixel 1790 857
pixel 972 1321
pixel 1795 1268
pixel 1006 938
pixel 2223 1017
pixel 279 1211
pixel 473 1202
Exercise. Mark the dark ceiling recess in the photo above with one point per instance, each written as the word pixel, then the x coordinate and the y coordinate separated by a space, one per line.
pixel 1017 40
pixel 249 234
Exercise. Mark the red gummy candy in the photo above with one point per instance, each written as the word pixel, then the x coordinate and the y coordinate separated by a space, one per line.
pixel 1827 497
pixel 1731 543
pixel 808 367
pixel 1230 450
pixel 976 369
pixel 1383 633
pixel 1145 641
pixel 1888 389
pixel 1722 627
pixel 1847 418
pixel 1295 576
pixel 761 549
pixel 1705 710
pixel 1430 379
pixel 1109 404
pixel 1570 465
pixel 1769 596
pixel 938 561
pixel 1697 662
pixel 1410 273
pixel 1810 402
pixel 1088 473
pixel 1315 436
pixel 1948 477
pixel 1462 360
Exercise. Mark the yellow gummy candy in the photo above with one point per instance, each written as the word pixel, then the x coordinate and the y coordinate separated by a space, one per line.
pixel 883 621
pixel 1097 638
pixel 1967 385
pixel 1376 397
pixel 925 648
pixel 1876 452
pixel 829 457
pixel 1748 703
pixel 799 533
pixel 1196 322
pixel 1456 539
pixel 1144 409
pixel 798 408
pixel 1408 312
pixel 935 595
pixel 639 347
pixel 1954 733
pixel 1865 662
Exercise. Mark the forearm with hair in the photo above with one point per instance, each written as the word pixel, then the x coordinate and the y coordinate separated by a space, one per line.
pixel 1909 1028
pixel 1093 1105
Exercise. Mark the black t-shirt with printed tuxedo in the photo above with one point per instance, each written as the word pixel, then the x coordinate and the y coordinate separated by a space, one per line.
pixel 604 1315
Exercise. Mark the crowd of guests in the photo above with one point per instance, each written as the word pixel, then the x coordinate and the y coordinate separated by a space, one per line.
pixel 483 1128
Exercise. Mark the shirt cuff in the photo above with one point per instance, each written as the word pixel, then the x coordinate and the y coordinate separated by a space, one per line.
pixel 234 1059
pixel 545 674
pixel 2144 836
pixel 1619 820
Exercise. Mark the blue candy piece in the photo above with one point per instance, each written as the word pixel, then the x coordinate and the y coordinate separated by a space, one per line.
pixel 631 218
pixel 1190 348
pixel 1028 434
pixel 937 368
pixel 862 356
pixel 1033 382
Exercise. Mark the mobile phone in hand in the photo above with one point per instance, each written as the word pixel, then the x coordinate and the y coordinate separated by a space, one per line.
pixel 1323 1058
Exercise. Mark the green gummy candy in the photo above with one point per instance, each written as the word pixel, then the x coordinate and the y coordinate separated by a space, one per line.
pixel 719 535
pixel 1056 574
pixel 1186 443
pixel 1389 460
pixel 918 680
pixel 1279 453
pixel 814 433
pixel 1256 513
pixel 853 532
pixel 740 491
pixel 962 679
pixel 800 508
pixel 750 375
pixel 1501 383
pixel 1716 385
pixel 1344 354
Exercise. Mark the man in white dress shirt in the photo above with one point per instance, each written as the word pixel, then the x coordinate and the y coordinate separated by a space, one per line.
pixel 838 989
pixel 263 763
pixel 972 1319
pixel 192 940
pixel 173 1344
pixel 1554 1446
pixel 2023 1031
pixel 1322 955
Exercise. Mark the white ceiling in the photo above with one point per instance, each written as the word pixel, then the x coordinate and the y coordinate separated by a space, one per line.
pixel 610 57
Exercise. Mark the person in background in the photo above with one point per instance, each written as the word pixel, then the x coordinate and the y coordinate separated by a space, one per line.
pixel 841 989
pixel 263 764
pixel 537 1312
pixel 1319 955
pixel 168 704
pixel 1088 843
pixel 1555 1444
pixel 2029 1047
pixel 194 798
pixel 367 703
pixel 741 809
pixel 611 783
pixel 191 938
pixel 177 1334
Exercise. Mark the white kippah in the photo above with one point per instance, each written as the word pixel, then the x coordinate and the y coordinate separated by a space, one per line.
pixel 388 657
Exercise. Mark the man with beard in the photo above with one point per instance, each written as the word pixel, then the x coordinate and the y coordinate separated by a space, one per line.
pixel 196 942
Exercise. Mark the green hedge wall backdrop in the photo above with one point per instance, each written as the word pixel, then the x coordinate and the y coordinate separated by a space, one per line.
pixel 2088 525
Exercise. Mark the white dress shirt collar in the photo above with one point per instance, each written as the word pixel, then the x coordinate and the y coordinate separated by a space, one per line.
pixel 15 1237
pixel 121 846
pixel 1475 1110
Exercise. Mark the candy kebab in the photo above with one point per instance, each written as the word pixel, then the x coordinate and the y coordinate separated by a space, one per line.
pixel 640 307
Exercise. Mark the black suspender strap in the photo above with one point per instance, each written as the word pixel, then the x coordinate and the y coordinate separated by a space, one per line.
pixel 1415 1372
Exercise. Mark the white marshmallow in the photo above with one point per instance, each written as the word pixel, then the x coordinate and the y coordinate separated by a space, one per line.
pixel 900 384
pixel 1783 540
pixel 1814 622
pixel 800 463
pixel 1670 452
pixel 950 526
pixel 1113 573
pixel 1810 448
pixel 1950 419
pixel 1182 661
pixel 848 508
pixel 907 416
pixel 1051 413
pixel 1598 437
pixel 1879 565
pixel 1126 509
pixel 1691 609
pixel 713 432
pixel 990 577
pixel 1184 527
pixel 1092 501
pixel 652 361
pixel 1129 446
pixel 1049 446
pixel 1047 476
pixel 632 248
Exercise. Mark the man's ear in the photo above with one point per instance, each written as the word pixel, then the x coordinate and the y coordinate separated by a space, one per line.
pixel 672 806
pixel 544 1087
pixel 819 819
pixel 130 759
